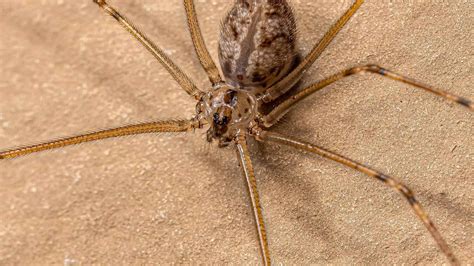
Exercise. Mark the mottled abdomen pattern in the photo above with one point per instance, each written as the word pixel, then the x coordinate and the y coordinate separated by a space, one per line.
pixel 257 43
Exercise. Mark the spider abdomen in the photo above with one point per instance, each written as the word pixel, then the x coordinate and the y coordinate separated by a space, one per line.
pixel 257 43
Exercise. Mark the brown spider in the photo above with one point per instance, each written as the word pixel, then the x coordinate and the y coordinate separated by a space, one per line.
pixel 219 129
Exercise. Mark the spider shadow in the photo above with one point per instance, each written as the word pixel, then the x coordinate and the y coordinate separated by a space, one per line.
pixel 440 200
pixel 444 201
pixel 308 214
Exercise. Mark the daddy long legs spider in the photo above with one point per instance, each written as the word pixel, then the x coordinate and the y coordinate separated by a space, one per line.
pixel 99 224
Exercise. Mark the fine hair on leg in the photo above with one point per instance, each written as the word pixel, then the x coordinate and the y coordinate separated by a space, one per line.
pixel 142 128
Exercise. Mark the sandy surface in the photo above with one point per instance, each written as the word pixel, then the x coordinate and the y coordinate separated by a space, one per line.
pixel 67 68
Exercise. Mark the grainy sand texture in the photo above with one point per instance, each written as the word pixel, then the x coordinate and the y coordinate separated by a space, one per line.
pixel 66 68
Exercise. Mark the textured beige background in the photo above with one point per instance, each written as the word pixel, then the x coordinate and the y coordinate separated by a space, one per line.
pixel 65 68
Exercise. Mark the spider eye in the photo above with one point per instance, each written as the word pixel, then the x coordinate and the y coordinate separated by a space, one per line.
pixel 216 118
pixel 225 119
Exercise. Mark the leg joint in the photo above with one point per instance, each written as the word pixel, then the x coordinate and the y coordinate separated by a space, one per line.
pixel 365 68
pixel 100 2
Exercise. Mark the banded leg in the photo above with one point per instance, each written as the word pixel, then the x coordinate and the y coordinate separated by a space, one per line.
pixel 390 181
pixel 152 127
pixel 281 109
pixel 199 46
pixel 291 79
pixel 247 169
pixel 183 80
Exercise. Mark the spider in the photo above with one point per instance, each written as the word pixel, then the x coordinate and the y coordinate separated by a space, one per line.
pixel 225 142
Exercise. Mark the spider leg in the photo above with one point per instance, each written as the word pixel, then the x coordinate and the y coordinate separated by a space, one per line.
pixel 292 78
pixel 281 109
pixel 390 181
pixel 245 161
pixel 183 80
pixel 152 127
pixel 199 46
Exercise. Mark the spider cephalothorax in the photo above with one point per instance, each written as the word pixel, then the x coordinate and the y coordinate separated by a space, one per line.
pixel 227 110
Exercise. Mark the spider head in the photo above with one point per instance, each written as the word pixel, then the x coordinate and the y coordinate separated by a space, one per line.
pixel 227 110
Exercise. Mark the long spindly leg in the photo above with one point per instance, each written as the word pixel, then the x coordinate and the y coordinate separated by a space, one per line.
pixel 199 45
pixel 286 83
pixel 247 169
pixel 152 127
pixel 183 80
pixel 281 109
pixel 390 181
